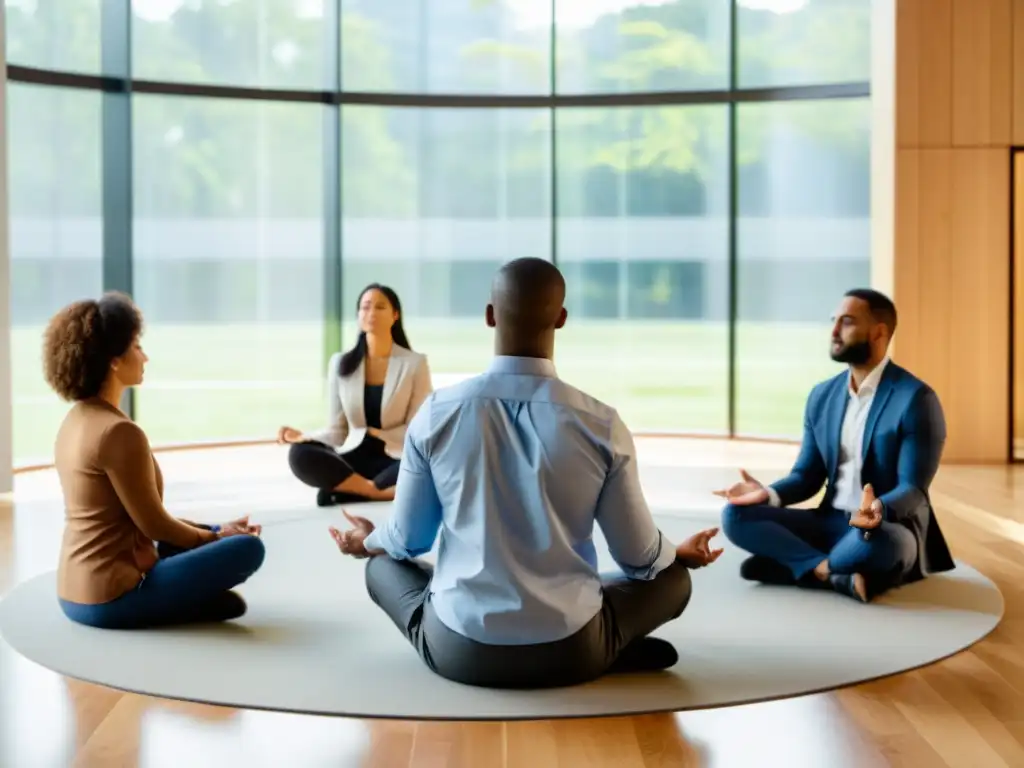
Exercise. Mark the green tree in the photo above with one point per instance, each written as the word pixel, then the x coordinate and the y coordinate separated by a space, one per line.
pixel 666 47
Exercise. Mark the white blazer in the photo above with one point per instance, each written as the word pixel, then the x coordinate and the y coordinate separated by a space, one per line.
pixel 407 384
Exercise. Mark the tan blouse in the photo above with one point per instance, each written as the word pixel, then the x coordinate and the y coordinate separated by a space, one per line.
pixel 113 497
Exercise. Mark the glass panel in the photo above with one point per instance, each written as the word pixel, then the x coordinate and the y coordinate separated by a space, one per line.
pixel 434 201
pixel 446 46
pixel 623 46
pixel 643 197
pixel 62 35
pixel 804 238
pixel 228 200
pixel 254 43
pixel 56 239
pixel 803 42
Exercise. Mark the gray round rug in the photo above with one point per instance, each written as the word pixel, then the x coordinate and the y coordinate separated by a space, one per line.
pixel 314 643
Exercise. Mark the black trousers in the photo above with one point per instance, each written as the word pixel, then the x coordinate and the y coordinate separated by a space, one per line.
pixel 320 466
pixel 631 610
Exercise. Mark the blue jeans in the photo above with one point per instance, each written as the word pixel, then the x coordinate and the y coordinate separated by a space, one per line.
pixel 189 587
pixel 802 538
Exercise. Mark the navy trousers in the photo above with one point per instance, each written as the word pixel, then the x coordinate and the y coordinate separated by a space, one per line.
pixel 188 587
pixel 802 538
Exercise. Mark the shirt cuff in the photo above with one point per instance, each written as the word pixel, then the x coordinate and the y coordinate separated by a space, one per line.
pixel 378 540
pixel 773 497
pixel 666 557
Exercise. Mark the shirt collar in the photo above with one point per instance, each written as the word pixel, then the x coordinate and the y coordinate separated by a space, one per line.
pixel 871 381
pixel 529 366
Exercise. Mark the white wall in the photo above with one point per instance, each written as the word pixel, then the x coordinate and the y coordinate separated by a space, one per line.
pixel 883 143
pixel 6 414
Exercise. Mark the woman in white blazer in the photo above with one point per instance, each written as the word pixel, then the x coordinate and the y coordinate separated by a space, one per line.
pixel 375 390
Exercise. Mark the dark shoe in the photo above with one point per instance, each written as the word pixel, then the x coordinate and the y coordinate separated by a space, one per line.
pixel 224 607
pixel 843 584
pixel 334 498
pixel 648 654
pixel 767 571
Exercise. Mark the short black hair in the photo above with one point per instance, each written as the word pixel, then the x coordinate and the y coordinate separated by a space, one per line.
pixel 83 339
pixel 881 306
pixel 527 294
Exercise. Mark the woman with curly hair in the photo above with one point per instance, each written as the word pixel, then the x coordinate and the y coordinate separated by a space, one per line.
pixel 125 562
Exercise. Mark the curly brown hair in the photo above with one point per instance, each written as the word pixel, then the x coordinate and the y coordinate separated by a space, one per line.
pixel 82 340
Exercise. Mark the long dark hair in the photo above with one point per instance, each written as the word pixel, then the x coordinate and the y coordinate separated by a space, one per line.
pixel 351 359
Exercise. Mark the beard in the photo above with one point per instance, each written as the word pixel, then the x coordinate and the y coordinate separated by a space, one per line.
pixel 854 353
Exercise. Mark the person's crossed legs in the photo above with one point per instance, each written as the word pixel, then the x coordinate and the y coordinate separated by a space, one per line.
pixel 187 587
pixel 615 640
pixel 817 547
pixel 358 475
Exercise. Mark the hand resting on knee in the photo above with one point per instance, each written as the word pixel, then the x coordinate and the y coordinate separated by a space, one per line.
pixel 696 551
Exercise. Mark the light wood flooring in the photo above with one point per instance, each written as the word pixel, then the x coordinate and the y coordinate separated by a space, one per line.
pixel 965 711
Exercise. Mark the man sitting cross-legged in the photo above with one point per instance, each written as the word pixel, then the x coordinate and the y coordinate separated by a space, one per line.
pixel 514 468
pixel 875 429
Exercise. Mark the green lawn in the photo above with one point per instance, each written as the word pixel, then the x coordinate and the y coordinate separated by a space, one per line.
pixel 243 381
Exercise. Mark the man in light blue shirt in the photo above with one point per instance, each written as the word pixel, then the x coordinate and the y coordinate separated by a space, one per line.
pixel 513 468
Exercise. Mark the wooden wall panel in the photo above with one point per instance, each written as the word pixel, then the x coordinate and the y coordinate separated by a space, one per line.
pixel 933 269
pixel 921 287
pixel 956 118
pixel 1018 73
pixel 951 289
pixel 907 249
pixel 979 306
pixel 924 63
pixel 982 76
pixel 1018 333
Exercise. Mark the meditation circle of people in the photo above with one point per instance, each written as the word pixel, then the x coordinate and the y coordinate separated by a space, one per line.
pixel 513 469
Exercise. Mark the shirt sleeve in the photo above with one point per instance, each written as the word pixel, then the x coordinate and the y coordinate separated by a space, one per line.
pixel 126 457
pixel 635 542
pixel 416 514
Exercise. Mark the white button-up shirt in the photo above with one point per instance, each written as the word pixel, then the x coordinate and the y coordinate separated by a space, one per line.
pixel 849 484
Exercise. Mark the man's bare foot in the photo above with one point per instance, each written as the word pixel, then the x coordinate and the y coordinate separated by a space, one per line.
pixel 386 494
pixel 357 485
pixel 821 571
pixel 360 486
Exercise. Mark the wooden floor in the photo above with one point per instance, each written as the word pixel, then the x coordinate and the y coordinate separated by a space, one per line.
pixel 965 711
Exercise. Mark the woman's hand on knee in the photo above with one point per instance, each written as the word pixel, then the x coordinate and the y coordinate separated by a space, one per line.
pixel 239 527
pixel 290 435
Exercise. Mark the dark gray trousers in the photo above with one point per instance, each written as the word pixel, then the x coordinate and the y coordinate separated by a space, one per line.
pixel 631 610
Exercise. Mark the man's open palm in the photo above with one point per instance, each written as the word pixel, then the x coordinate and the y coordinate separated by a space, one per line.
pixel 696 551
pixel 351 542
pixel 746 492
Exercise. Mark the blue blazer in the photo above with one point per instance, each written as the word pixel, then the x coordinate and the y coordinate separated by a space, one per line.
pixel 903 441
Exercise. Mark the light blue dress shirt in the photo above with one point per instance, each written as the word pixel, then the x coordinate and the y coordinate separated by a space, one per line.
pixel 513 468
